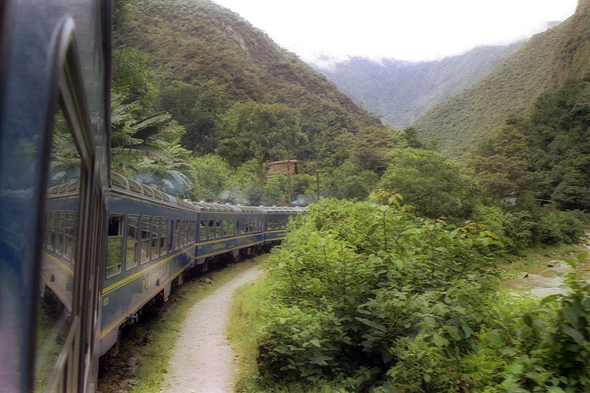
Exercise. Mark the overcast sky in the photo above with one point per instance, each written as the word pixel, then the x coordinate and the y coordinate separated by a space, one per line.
pixel 401 29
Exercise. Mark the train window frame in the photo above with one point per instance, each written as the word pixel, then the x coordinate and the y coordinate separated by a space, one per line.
pixel 155 238
pixel 146 227
pixel 121 231
pixel 136 250
pixel 232 227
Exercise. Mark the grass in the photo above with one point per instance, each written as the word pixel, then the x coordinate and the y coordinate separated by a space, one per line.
pixel 150 342
pixel 246 318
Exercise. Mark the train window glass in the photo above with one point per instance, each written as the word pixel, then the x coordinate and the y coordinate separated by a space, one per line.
pixel 242 226
pixel 193 231
pixel 115 244
pixel 165 197
pixel 60 232
pixel 227 225
pixel 69 235
pixel 157 194
pixel 163 237
pixel 132 248
pixel 57 271
pixel 170 235
pixel 211 230
pixel 182 233
pixel 118 181
pixel 217 229
pixel 51 230
pixel 155 237
pixel 73 187
pixel 188 232
pixel 135 186
pixel 147 191
pixel 145 239
pixel 231 224
pixel 203 230
pixel 177 235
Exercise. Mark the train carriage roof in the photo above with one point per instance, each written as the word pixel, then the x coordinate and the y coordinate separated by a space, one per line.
pixel 134 188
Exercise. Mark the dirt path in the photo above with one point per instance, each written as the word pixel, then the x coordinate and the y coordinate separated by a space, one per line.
pixel 202 360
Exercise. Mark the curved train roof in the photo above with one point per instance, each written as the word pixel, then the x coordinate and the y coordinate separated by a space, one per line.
pixel 134 188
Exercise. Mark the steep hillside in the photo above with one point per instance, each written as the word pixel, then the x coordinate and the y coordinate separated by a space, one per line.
pixel 540 65
pixel 402 91
pixel 188 43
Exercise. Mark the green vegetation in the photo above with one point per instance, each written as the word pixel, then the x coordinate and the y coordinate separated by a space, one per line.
pixel 540 65
pixel 246 317
pixel 368 296
pixel 152 340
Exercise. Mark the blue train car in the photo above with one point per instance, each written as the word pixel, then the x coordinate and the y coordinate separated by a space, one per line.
pixel 228 231
pixel 151 243
pixel 275 224
pixel 54 120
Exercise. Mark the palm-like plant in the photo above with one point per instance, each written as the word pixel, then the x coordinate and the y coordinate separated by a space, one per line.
pixel 149 149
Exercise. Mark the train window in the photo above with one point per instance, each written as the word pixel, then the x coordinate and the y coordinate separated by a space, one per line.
pixel 187 232
pixel 211 230
pixel 60 232
pixel 132 248
pixel 118 181
pixel 242 226
pixel 193 231
pixel 52 235
pixel 155 237
pixel 134 186
pixel 57 271
pixel 157 194
pixel 226 225
pixel 115 244
pixel 147 191
pixel 275 224
pixel 69 235
pixel 217 229
pixel 170 235
pixel 203 230
pixel 163 232
pixel 177 235
pixel 182 236
pixel 231 224
pixel 145 239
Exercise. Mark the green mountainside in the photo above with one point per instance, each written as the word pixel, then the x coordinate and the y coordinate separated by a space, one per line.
pixel 402 91
pixel 200 59
pixel 540 65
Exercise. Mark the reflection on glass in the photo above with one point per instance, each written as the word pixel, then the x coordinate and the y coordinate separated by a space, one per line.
pixel 59 248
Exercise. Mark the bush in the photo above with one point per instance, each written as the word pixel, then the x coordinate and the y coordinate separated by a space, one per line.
pixel 558 226
pixel 367 297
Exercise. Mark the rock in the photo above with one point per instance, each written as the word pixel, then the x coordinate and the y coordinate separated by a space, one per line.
pixel 553 263
pixel 525 275
pixel 208 281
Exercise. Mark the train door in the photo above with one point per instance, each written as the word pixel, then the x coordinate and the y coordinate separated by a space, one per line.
pixel 67 313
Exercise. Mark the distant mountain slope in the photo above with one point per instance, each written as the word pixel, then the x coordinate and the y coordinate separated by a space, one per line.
pixel 540 65
pixel 401 91
pixel 198 42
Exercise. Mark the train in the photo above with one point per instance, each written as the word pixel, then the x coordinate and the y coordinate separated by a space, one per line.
pixel 153 241
pixel 84 249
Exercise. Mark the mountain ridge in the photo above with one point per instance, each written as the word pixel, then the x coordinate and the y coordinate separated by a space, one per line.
pixel 401 91
pixel 542 64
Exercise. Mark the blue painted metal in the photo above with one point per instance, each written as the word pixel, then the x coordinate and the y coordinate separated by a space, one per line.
pixel 30 60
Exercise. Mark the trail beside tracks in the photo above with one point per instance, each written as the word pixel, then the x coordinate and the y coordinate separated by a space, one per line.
pixel 203 360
